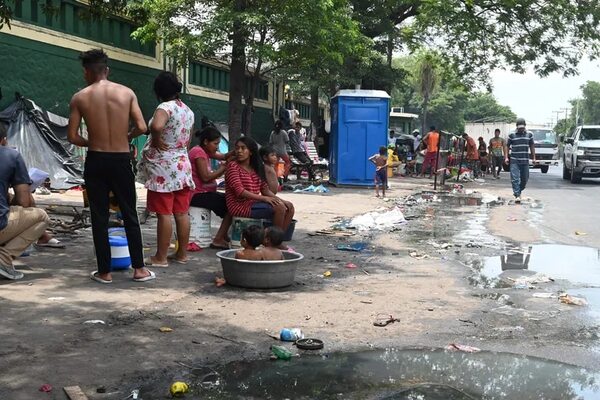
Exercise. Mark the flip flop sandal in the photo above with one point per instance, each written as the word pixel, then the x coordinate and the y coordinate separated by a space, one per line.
pixel 172 258
pixel 148 262
pixel 146 278
pixel 94 276
pixel 218 247
pixel 52 243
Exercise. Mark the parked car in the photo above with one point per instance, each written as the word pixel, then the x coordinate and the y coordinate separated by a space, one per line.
pixel 581 158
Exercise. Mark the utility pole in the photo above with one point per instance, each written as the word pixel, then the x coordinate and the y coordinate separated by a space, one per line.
pixel 566 110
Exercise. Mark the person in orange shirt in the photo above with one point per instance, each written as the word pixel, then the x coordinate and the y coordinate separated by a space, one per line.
pixel 472 154
pixel 432 140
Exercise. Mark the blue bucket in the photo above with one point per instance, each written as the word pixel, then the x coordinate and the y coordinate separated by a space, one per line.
pixel 119 250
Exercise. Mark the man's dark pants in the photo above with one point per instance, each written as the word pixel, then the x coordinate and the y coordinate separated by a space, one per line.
pixel 106 172
pixel 497 162
pixel 305 159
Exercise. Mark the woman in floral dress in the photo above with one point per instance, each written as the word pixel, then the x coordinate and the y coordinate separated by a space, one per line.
pixel 165 169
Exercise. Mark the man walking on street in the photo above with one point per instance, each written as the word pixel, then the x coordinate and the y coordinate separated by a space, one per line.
pixel 107 108
pixel 497 147
pixel 519 143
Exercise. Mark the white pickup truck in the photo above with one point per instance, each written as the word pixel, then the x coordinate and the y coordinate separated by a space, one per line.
pixel 582 154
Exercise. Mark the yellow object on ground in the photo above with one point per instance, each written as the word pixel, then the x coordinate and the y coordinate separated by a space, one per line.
pixel 179 388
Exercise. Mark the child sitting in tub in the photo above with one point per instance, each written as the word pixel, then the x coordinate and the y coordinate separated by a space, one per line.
pixel 252 237
pixel 272 244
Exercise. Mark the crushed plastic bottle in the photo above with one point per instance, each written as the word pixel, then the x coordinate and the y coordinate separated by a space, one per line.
pixel 281 352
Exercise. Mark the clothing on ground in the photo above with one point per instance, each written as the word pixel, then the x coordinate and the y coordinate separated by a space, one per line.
pixel 237 181
pixel 13 171
pixel 169 170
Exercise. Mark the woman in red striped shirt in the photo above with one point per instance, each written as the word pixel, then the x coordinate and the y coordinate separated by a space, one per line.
pixel 247 193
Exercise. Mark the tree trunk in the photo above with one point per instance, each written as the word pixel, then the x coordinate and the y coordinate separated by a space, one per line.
pixel 315 118
pixel 247 119
pixel 237 75
pixel 424 122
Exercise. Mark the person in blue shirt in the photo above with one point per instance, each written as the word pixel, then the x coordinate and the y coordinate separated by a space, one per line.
pixel 21 224
pixel 520 144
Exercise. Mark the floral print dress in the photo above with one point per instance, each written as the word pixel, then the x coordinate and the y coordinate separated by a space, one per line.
pixel 169 170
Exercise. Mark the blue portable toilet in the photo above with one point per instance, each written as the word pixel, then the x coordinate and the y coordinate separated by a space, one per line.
pixel 359 126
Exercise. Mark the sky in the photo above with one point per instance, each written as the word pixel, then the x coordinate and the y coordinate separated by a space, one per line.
pixel 535 98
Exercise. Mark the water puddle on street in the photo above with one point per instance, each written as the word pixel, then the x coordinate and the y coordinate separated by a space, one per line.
pixel 397 374
pixel 576 264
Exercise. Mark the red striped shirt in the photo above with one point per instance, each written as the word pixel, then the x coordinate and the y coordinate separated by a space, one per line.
pixel 237 179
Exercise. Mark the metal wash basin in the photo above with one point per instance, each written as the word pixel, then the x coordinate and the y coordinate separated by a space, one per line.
pixel 259 274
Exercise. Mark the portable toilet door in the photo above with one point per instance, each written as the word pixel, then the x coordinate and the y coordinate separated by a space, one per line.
pixel 359 126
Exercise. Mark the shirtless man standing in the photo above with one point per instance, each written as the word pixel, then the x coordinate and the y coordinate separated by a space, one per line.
pixel 107 108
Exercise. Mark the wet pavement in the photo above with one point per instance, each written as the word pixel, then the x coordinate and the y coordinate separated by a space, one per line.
pixel 392 374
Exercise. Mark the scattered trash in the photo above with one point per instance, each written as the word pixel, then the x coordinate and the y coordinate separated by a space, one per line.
pixel 380 221
pixel 366 301
pixel 165 329
pixel 365 272
pixel 442 246
pixel 290 334
pixel 568 299
pixel 351 265
pixel 94 321
pixel 579 233
pixel 511 219
pixel 56 298
pixel 479 180
pixel 417 255
pixel 313 189
pixel 309 344
pixel 220 281
pixel 327 274
pixel 527 282
pixel 46 388
pixel 544 295
pixel 307 317
pixel 281 353
pixel 384 320
pixel 179 388
pixel 331 232
pixel 101 389
pixel 462 347
pixel 358 246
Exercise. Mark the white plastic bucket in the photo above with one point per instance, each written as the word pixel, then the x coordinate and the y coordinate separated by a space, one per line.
pixel 200 226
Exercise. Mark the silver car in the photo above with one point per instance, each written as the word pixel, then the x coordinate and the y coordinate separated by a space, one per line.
pixel 581 157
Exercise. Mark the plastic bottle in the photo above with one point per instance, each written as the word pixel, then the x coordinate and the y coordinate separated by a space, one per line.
pixel 281 352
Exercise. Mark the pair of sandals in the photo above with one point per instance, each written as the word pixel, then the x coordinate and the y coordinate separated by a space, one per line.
pixel 94 276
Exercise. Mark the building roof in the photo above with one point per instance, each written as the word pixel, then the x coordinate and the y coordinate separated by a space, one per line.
pixel 362 93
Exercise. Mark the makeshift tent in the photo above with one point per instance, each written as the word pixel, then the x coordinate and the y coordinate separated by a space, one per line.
pixel 41 138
